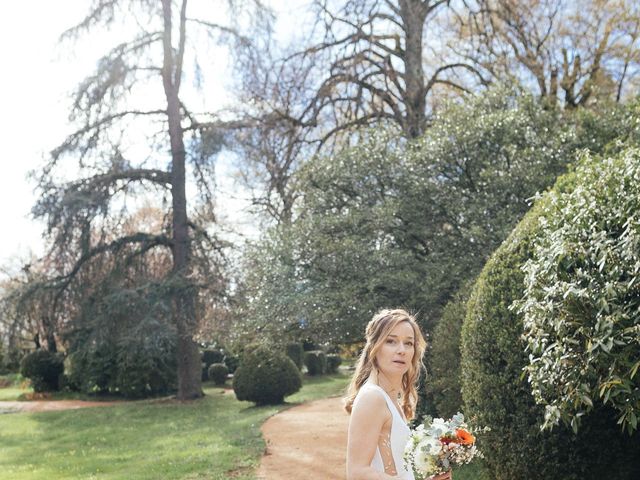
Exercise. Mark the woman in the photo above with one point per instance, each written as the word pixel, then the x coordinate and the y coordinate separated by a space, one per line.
pixel 382 398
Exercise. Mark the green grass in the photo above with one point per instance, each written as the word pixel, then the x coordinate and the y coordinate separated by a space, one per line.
pixel 213 438
pixel 11 394
pixel 473 471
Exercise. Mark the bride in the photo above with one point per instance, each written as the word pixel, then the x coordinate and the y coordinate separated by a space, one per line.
pixel 382 398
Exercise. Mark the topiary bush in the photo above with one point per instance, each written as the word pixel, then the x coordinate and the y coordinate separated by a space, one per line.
pixel 43 368
pixel 333 362
pixel 295 352
pixel 443 357
pixel 582 295
pixel 218 373
pixel 497 394
pixel 316 362
pixel 266 376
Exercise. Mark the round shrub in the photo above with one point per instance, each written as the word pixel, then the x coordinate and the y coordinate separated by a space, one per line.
pixel 496 393
pixel 316 362
pixel 333 362
pixel 265 377
pixel 295 352
pixel 218 373
pixel 43 368
pixel 582 295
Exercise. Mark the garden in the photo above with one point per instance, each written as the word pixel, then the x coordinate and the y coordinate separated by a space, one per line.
pixel 210 262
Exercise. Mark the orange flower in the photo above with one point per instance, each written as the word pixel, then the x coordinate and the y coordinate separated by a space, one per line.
pixel 464 437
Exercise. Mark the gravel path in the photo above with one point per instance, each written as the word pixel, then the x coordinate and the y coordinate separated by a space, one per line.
pixel 307 442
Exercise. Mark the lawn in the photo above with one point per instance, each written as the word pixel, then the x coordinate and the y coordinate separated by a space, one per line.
pixel 213 438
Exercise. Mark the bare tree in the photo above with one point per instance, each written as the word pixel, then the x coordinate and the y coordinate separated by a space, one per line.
pixel 360 63
pixel 573 51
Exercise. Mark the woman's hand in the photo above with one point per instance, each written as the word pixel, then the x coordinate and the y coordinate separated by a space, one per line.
pixel 442 476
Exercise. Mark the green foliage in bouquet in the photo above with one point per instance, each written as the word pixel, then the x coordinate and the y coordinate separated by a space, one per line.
pixel 582 295
pixel 266 376
pixel 43 368
pixel 496 393
pixel 316 362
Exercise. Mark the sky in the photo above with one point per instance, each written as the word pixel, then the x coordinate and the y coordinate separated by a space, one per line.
pixel 36 78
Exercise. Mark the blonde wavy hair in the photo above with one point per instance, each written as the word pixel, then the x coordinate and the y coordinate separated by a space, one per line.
pixel 376 333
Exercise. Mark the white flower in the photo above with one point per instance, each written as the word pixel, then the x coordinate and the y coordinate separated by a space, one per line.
pixel 425 462
pixel 431 445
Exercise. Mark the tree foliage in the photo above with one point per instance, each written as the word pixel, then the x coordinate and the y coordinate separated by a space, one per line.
pixel 384 222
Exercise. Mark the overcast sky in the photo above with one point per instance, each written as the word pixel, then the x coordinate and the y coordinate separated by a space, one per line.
pixel 36 77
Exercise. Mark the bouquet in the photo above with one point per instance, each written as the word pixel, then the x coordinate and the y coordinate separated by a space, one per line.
pixel 436 445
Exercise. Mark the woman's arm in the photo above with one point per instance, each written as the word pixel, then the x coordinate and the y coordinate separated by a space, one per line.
pixel 368 416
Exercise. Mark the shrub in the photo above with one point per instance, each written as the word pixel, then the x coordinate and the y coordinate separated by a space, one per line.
pixel 43 368
pixel 231 362
pixel 316 362
pixel 295 352
pixel 211 356
pixel 218 373
pixel 582 295
pixel 333 362
pixel 124 344
pixel 266 376
pixel 205 372
pixel 443 359
pixel 496 393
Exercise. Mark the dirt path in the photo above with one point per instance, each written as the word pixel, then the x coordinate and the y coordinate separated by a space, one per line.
pixel 307 442
pixel 49 405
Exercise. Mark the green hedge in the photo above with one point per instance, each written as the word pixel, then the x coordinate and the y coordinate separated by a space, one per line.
pixel 496 393
pixel 443 357
pixel 295 352
pixel 316 362
pixel 218 373
pixel 333 362
pixel 44 369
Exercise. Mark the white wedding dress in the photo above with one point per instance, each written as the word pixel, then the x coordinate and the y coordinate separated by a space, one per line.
pixel 392 448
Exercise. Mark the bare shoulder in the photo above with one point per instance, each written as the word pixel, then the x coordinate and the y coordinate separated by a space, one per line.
pixel 370 402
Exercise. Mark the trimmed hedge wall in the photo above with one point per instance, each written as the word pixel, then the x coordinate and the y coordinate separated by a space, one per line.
pixel 316 362
pixel 295 352
pixel 333 362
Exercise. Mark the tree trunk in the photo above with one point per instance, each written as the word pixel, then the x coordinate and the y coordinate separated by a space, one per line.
pixel 189 367
pixel 414 15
